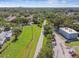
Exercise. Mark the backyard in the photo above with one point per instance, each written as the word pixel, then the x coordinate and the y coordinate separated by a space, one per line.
pixel 25 45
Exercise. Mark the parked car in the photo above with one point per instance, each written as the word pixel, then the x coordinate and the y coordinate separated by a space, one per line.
pixel 54 43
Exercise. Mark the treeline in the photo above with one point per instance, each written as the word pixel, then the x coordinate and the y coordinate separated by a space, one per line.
pixel 26 11
pixel 64 20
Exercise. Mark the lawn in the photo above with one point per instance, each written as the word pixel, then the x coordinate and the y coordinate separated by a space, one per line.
pixel 25 45
pixel 43 51
pixel 44 42
pixel 75 43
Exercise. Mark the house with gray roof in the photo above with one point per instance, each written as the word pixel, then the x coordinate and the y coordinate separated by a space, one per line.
pixel 4 36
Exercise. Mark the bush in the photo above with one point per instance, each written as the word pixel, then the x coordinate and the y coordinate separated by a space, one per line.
pixel 36 21
pixel 49 36
pixel 40 25
pixel 48 29
pixel 45 53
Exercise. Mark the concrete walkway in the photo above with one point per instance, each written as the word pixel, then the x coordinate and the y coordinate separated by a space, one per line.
pixel 60 50
pixel 40 41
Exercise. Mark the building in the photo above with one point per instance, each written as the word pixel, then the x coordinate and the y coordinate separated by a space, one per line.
pixel 10 18
pixel 2 38
pixel 5 36
pixel 8 35
pixel 68 33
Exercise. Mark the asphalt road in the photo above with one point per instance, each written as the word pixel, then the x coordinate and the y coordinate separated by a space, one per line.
pixel 60 50
pixel 40 41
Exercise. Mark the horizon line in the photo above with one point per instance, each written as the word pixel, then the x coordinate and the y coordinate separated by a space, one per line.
pixel 41 7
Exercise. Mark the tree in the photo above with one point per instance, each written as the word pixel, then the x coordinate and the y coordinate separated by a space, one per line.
pixel 16 34
pixel 48 29
pixel 24 21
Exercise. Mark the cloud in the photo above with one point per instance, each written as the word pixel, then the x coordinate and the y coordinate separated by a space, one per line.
pixel 8 5
pixel 57 1
pixel 53 1
pixel 63 3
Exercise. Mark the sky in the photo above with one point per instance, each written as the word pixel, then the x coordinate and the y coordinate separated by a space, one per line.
pixel 39 3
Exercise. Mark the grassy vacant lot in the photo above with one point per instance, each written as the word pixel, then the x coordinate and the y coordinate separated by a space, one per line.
pixel 75 43
pixel 25 45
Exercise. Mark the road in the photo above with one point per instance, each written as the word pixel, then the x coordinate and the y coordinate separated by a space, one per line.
pixel 40 41
pixel 60 50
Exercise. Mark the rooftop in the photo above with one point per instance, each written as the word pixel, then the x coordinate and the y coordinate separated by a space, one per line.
pixel 68 30
pixel 10 18
pixel 3 36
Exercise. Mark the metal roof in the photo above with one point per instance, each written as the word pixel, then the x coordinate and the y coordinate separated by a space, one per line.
pixel 68 30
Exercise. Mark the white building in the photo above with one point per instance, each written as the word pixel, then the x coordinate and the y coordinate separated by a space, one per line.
pixel 68 33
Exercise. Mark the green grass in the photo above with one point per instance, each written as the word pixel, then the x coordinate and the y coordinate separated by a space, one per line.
pixel 44 42
pixel 25 45
pixel 75 43
pixel 7 43
pixel 43 51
